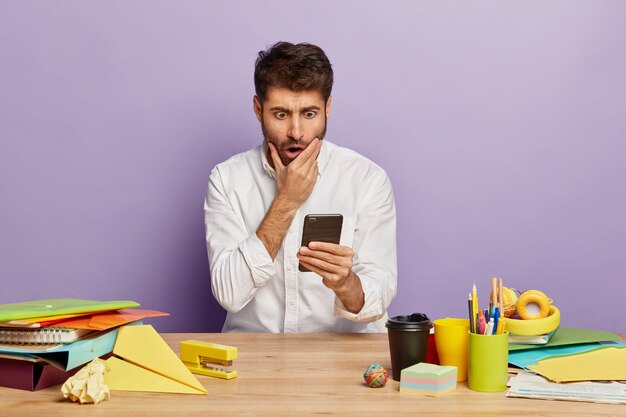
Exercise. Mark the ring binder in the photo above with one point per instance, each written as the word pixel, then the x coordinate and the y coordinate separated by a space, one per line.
pixel 40 336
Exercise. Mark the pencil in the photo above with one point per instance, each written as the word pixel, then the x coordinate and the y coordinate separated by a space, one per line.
pixel 500 328
pixel 471 315
pixel 475 305
pixel 500 295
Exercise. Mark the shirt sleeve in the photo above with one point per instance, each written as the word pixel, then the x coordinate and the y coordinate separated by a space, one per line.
pixel 374 261
pixel 239 262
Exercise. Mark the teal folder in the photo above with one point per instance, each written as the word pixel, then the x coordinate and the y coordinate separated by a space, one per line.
pixel 528 357
pixel 71 355
pixel 57 307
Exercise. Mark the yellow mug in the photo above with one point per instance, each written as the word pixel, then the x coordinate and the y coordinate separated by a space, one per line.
pixel 452 341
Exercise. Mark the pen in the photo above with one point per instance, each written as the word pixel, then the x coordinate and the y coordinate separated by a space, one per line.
pixel 496 320
pixel 481 323
pixel 489 328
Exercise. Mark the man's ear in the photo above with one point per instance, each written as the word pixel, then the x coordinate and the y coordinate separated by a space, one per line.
pixel 258 108
pixel 328 103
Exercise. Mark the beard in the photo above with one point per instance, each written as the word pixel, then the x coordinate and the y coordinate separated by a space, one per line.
pixel 280 143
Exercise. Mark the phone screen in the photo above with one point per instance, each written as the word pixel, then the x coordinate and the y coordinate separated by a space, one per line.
pixel 321 228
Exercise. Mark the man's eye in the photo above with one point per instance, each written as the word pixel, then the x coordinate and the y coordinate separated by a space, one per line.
pixel 280 115
pixel 310 114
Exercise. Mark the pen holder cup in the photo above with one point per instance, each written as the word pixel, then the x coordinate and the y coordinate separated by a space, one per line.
pixel 488 362
pixel 451 338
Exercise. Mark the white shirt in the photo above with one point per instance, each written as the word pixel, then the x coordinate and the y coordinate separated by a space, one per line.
pixel 261 295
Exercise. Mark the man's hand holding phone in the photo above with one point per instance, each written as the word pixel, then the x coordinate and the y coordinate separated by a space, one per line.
pixel 322 254
pixel 330 261
pixel 333 263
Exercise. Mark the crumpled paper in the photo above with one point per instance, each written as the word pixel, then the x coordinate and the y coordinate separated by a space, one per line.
pixel 87 385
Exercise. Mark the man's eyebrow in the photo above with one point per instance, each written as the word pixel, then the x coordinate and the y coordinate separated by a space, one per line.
pixel 280 108
pixel 286 110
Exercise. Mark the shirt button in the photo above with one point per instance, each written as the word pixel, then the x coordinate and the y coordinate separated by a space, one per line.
pixel 289 267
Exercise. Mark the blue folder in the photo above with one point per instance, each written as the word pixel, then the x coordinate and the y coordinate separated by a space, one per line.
pixel 71 355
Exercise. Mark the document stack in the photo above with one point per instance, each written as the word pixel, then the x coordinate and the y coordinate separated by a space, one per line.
pixel 592 362
pixel 44 342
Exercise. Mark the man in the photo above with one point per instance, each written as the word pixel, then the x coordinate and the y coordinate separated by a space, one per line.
pixel 257 200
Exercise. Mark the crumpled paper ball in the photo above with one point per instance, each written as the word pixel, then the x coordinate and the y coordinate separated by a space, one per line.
pixel 376 376
pixel 87 385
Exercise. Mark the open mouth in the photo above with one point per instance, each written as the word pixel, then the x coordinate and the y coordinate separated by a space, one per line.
pixel 293 152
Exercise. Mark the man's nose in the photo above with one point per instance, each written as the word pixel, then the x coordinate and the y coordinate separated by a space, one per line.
pixel 295 128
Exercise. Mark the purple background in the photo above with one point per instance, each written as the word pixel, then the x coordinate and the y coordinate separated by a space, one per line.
pixel 501 125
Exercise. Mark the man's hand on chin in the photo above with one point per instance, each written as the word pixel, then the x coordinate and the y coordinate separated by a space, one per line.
pixel 295 182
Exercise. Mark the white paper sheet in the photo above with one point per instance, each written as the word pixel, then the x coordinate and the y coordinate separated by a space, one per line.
pixel 527 385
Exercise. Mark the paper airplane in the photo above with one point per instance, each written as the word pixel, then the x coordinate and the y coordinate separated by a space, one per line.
pixel 142 361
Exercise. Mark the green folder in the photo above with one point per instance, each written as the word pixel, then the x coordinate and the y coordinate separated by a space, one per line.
pixel 57 307
pixel 570 336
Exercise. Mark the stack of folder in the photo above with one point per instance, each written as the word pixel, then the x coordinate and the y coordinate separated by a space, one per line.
pixel 44 342
pixel 579 356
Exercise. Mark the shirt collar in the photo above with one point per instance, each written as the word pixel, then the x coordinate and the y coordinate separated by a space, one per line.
pixel 322 159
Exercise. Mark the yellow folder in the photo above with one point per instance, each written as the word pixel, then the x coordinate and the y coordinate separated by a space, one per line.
pixel 142 361
pixel 608 364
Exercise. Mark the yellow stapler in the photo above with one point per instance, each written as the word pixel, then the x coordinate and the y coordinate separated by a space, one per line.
pixel 199 357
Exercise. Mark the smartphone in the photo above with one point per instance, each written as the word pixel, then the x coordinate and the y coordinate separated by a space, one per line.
pixel 321 228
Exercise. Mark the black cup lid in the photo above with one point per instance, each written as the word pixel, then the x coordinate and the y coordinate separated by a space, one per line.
pixel 415 321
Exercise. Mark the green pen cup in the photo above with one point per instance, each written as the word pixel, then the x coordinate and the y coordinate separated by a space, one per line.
pixel 488 362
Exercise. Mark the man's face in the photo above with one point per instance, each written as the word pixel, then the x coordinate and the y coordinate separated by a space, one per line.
pixel 292 119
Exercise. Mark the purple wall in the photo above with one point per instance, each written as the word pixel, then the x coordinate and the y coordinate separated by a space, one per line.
pixel 501 125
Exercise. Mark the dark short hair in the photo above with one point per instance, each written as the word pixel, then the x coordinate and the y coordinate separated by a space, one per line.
pixel 298 67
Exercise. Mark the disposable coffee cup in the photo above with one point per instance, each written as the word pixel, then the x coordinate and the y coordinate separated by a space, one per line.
pixel 408 341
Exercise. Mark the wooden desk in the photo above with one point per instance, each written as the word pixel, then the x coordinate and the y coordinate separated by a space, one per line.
pixel 296 374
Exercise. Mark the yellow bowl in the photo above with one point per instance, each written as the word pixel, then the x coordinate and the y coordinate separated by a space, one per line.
pixel 537 326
